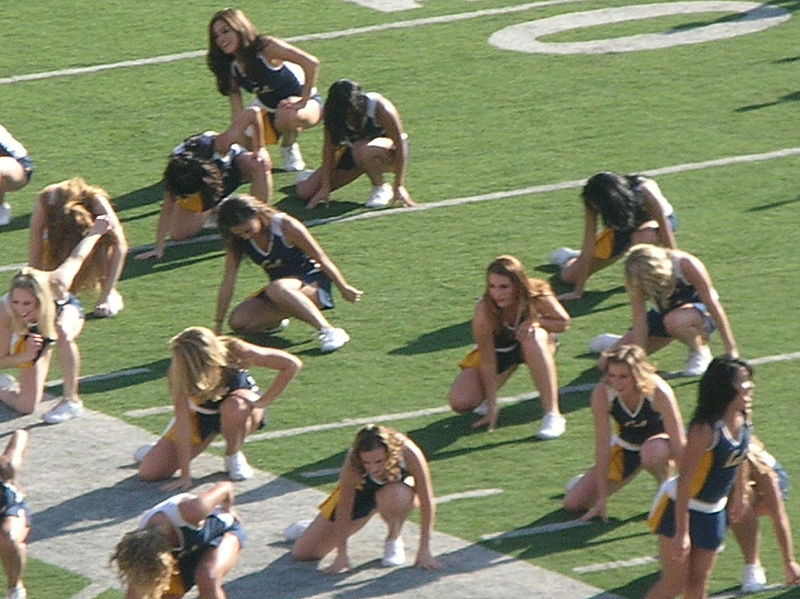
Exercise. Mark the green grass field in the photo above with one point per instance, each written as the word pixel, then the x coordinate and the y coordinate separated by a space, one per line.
pixel 481 120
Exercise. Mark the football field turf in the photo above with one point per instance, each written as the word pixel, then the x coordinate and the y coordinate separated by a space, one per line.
pixel 501 140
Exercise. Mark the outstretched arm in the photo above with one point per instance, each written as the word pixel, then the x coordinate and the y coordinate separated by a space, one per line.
pixel 297 234
pixel 231 268
pixel 287 365
pixel 423 487
pixel 388 118
pixel 62 277
pixel 696 273
pixel 162 230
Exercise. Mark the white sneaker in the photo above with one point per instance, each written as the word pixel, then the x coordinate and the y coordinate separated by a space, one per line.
pixel 553 426
pixel 303 175
pixel 111 307
pixel 603 342
pixel 237 467
pixel 754 578
pixel 332 339
pixel 560 256
pixel 380 196
pixel 8 383
pixel 292 158
pixel 18 592
pixel 211 221
pixel 697 362
pixel 141 453
pixel 572 482
pixel 5 214
pixel 282 326
pixel 65 410
pixel 296 529
pixel 482 409
pixel 394 553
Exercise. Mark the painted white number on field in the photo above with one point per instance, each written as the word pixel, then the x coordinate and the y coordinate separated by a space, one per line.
pixel 524 37
pixel 387 5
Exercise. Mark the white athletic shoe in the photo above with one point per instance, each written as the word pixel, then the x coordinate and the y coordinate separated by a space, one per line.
pixel 303 175
pixel 141 453
pixel 8 383
pixel 553 426
pixel 603 342
pixel 282 326
pixel 394 553
pixel 572 482
pixel 560 256
pixel 237 467
pixel 697 362
pixel 5 214
pixel 296 529
pixel 65 410
pixel 482 409
pixel 18 592
pixel 332 339
pixel 292 158
pixel 754 578
pixel 380 196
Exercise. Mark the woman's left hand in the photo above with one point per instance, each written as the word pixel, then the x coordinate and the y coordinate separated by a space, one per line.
pixel 351 294
pixel 490 420
pixel 426 561
pixel 401 195
pixel 184 483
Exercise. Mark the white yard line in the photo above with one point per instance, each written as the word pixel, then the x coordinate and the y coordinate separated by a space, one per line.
pixel 329 35
pixel 533 530
pixel 626 563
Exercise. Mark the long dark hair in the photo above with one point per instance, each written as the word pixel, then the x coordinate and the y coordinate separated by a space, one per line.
pixel 251 44
pixel 186 173
pixel 345 99
pixel 237 210
pixel 717 388
pixel 612 196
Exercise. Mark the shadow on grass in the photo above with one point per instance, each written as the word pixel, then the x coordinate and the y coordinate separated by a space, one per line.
pixel 150 195
pixel 792 97
pixel 772 205
pixel 542 543
pixel 176 256
pixel 448 337
pixel 293 205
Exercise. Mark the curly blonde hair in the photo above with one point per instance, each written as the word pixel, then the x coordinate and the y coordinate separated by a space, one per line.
pixel 635 358
pixel 69 216
pixel 649 270
pixel 375 436
pixel 199 359
pixel 145 562
pixel 526 289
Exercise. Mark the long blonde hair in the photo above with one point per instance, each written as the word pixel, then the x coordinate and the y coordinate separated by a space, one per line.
pixel 635 359
pixel 649 270
pixel 37 283
pixel 69 216
pixel 375 436
pixel 145 562
pixel 526 289
pixel 199 359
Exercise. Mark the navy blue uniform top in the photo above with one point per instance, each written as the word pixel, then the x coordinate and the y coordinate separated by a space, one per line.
pixel 635 427
pixel 269 84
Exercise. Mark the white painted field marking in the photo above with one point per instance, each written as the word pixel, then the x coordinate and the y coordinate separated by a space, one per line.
pixel 320 473
pixel 444 19
pixel 92 378
pixel 476 494
pixel 524 37
pixel 533 530
pixel 11 267
pixel 626 563
pixel 143 412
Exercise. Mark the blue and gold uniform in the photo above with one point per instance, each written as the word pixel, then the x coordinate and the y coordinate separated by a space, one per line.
pixel 202 148
pixel 684 293
pixel 11 147
pixel 633 429
pixel 205 416
pixel 709 491
pixel 269 84
pixel 365 501
pixel 507 351
pixel 193 540
pixel 283 261
pixel 12 502
pixel 613 242
pixel 368 130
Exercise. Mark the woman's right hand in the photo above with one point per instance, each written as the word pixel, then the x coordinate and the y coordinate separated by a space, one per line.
pixel 598 509
pixel 570 295
pixel 33 346
pixel 490 420
pixel 184 483
pixel 323 196
pixel 150 254
pixel 340 564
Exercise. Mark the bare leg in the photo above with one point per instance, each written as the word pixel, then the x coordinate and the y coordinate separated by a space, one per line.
pixel 467 391
pixel 318 540
pixel 214 565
